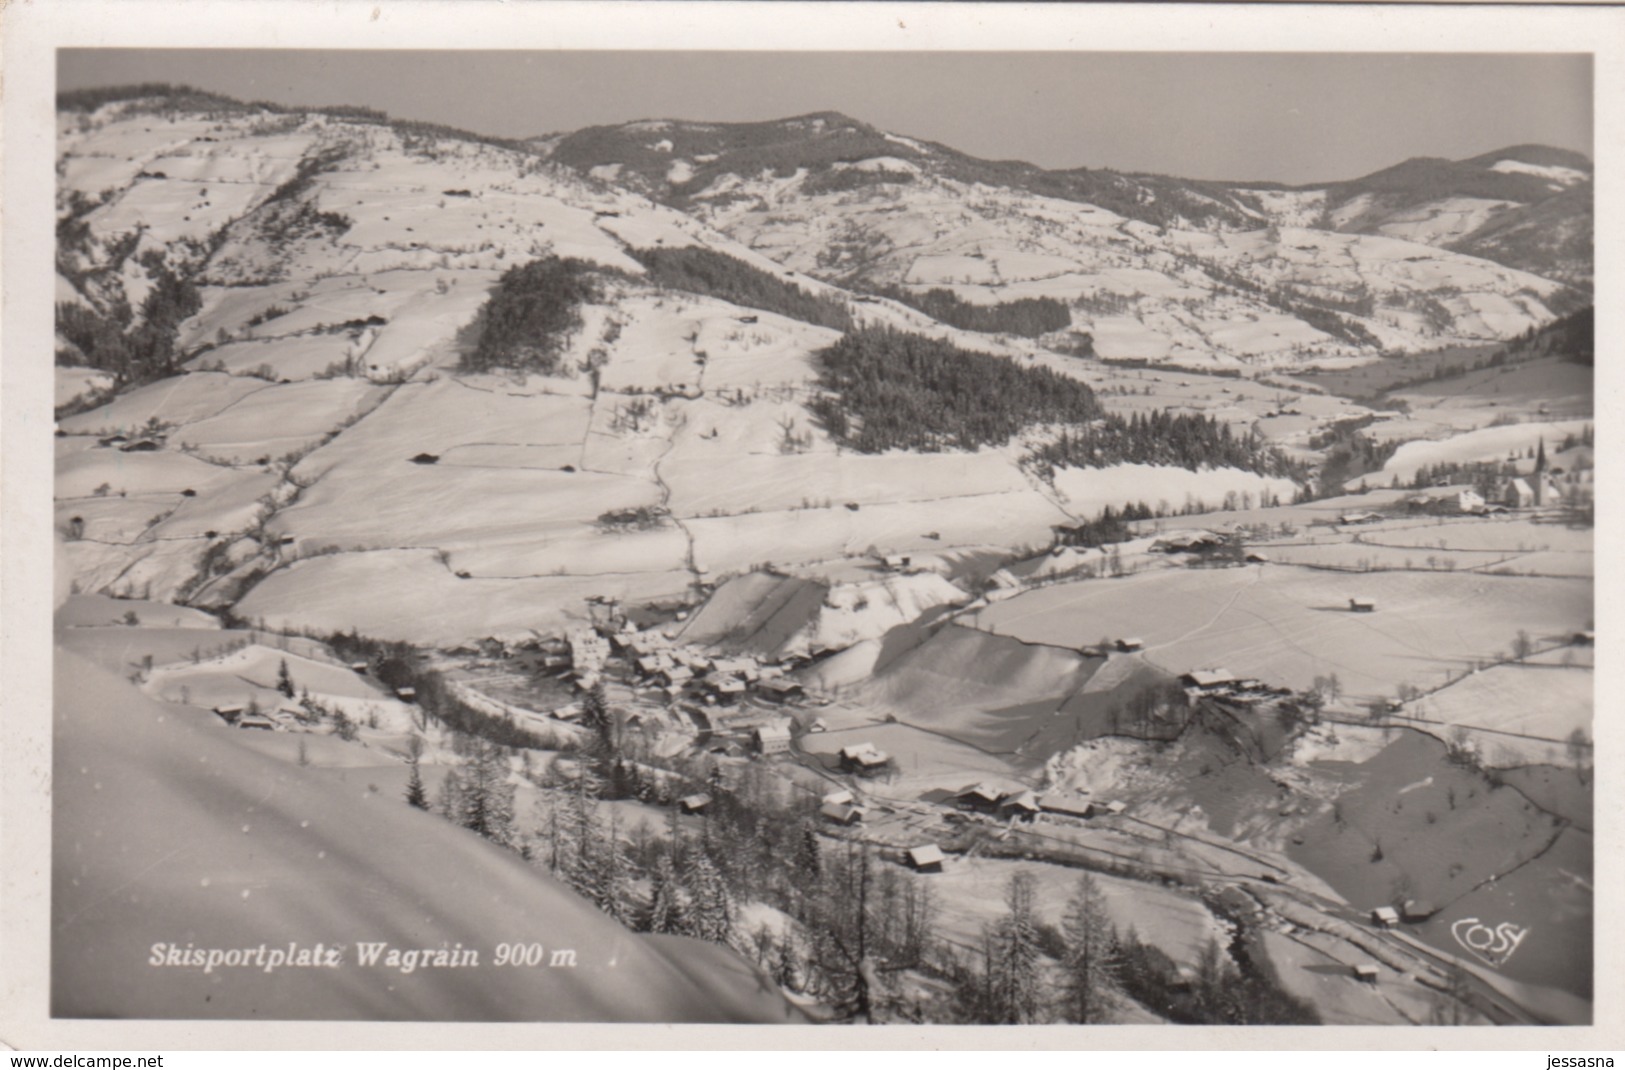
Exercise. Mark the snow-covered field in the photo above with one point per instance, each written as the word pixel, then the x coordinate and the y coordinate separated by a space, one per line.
pixel 1287 625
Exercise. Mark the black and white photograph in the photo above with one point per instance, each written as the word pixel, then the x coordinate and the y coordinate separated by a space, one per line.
pixel 875 536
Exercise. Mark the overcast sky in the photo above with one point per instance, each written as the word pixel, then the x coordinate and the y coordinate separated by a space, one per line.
pixel 1290 117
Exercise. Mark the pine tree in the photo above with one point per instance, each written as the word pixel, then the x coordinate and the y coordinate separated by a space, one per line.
pixel 415 795
pixel 487 799
pixel 1089 965
pixel 711 904
pixel 284 680
pixel 614 889
pixel 665 899
pixel 1015 982
pixel 808 864
pixel 599 718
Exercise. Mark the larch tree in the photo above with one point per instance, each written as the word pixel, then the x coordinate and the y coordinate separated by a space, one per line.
pixel 1089 962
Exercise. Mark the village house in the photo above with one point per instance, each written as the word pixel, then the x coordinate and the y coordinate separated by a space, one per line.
pixel 772 739
pixel 841 813
pixel 694 804
pixel 927 858
pixel 1207 679
pixel 978 797
pixel 864 759
pixel 1021 806
pixel 724 688
pixel 779 689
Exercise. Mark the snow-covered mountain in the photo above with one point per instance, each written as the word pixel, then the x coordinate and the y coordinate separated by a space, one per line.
pixel 286 302
pixel 1152 267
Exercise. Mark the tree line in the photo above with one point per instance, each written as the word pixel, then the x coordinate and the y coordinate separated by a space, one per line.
pixel 1028 317
pixel 728 278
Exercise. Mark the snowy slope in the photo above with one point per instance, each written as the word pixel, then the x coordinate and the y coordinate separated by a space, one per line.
pixel 167 830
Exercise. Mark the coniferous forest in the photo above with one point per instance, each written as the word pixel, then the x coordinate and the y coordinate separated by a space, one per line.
pixel 714 274
pixel 891 390
pixel 1028 317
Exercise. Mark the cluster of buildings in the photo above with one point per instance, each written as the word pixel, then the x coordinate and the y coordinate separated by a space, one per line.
pixel 1223 684
pixel 283 719
pixel 1023 804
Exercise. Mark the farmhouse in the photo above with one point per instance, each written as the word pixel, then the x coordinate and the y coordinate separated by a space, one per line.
pixel 926 858
pixel 1207 679
pixel 676 675
pixel 1469 501
pixel 772 739
pixel 1416 910
pixel 256 720
pixel 779 689
pixel 725 687
pixel 1022 806
pixel 1387 917
pixel 841 813
pixel 694 804
pixel 745 668
pixel 863 758
pixel 1065 805
pixel 897 562
pixel 406 694
pixel 1186 541
pixel 1365 971
pixel 229 714
pixel 1359 518
pixel 838 798
pixel 1362 605
pixel 979 797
